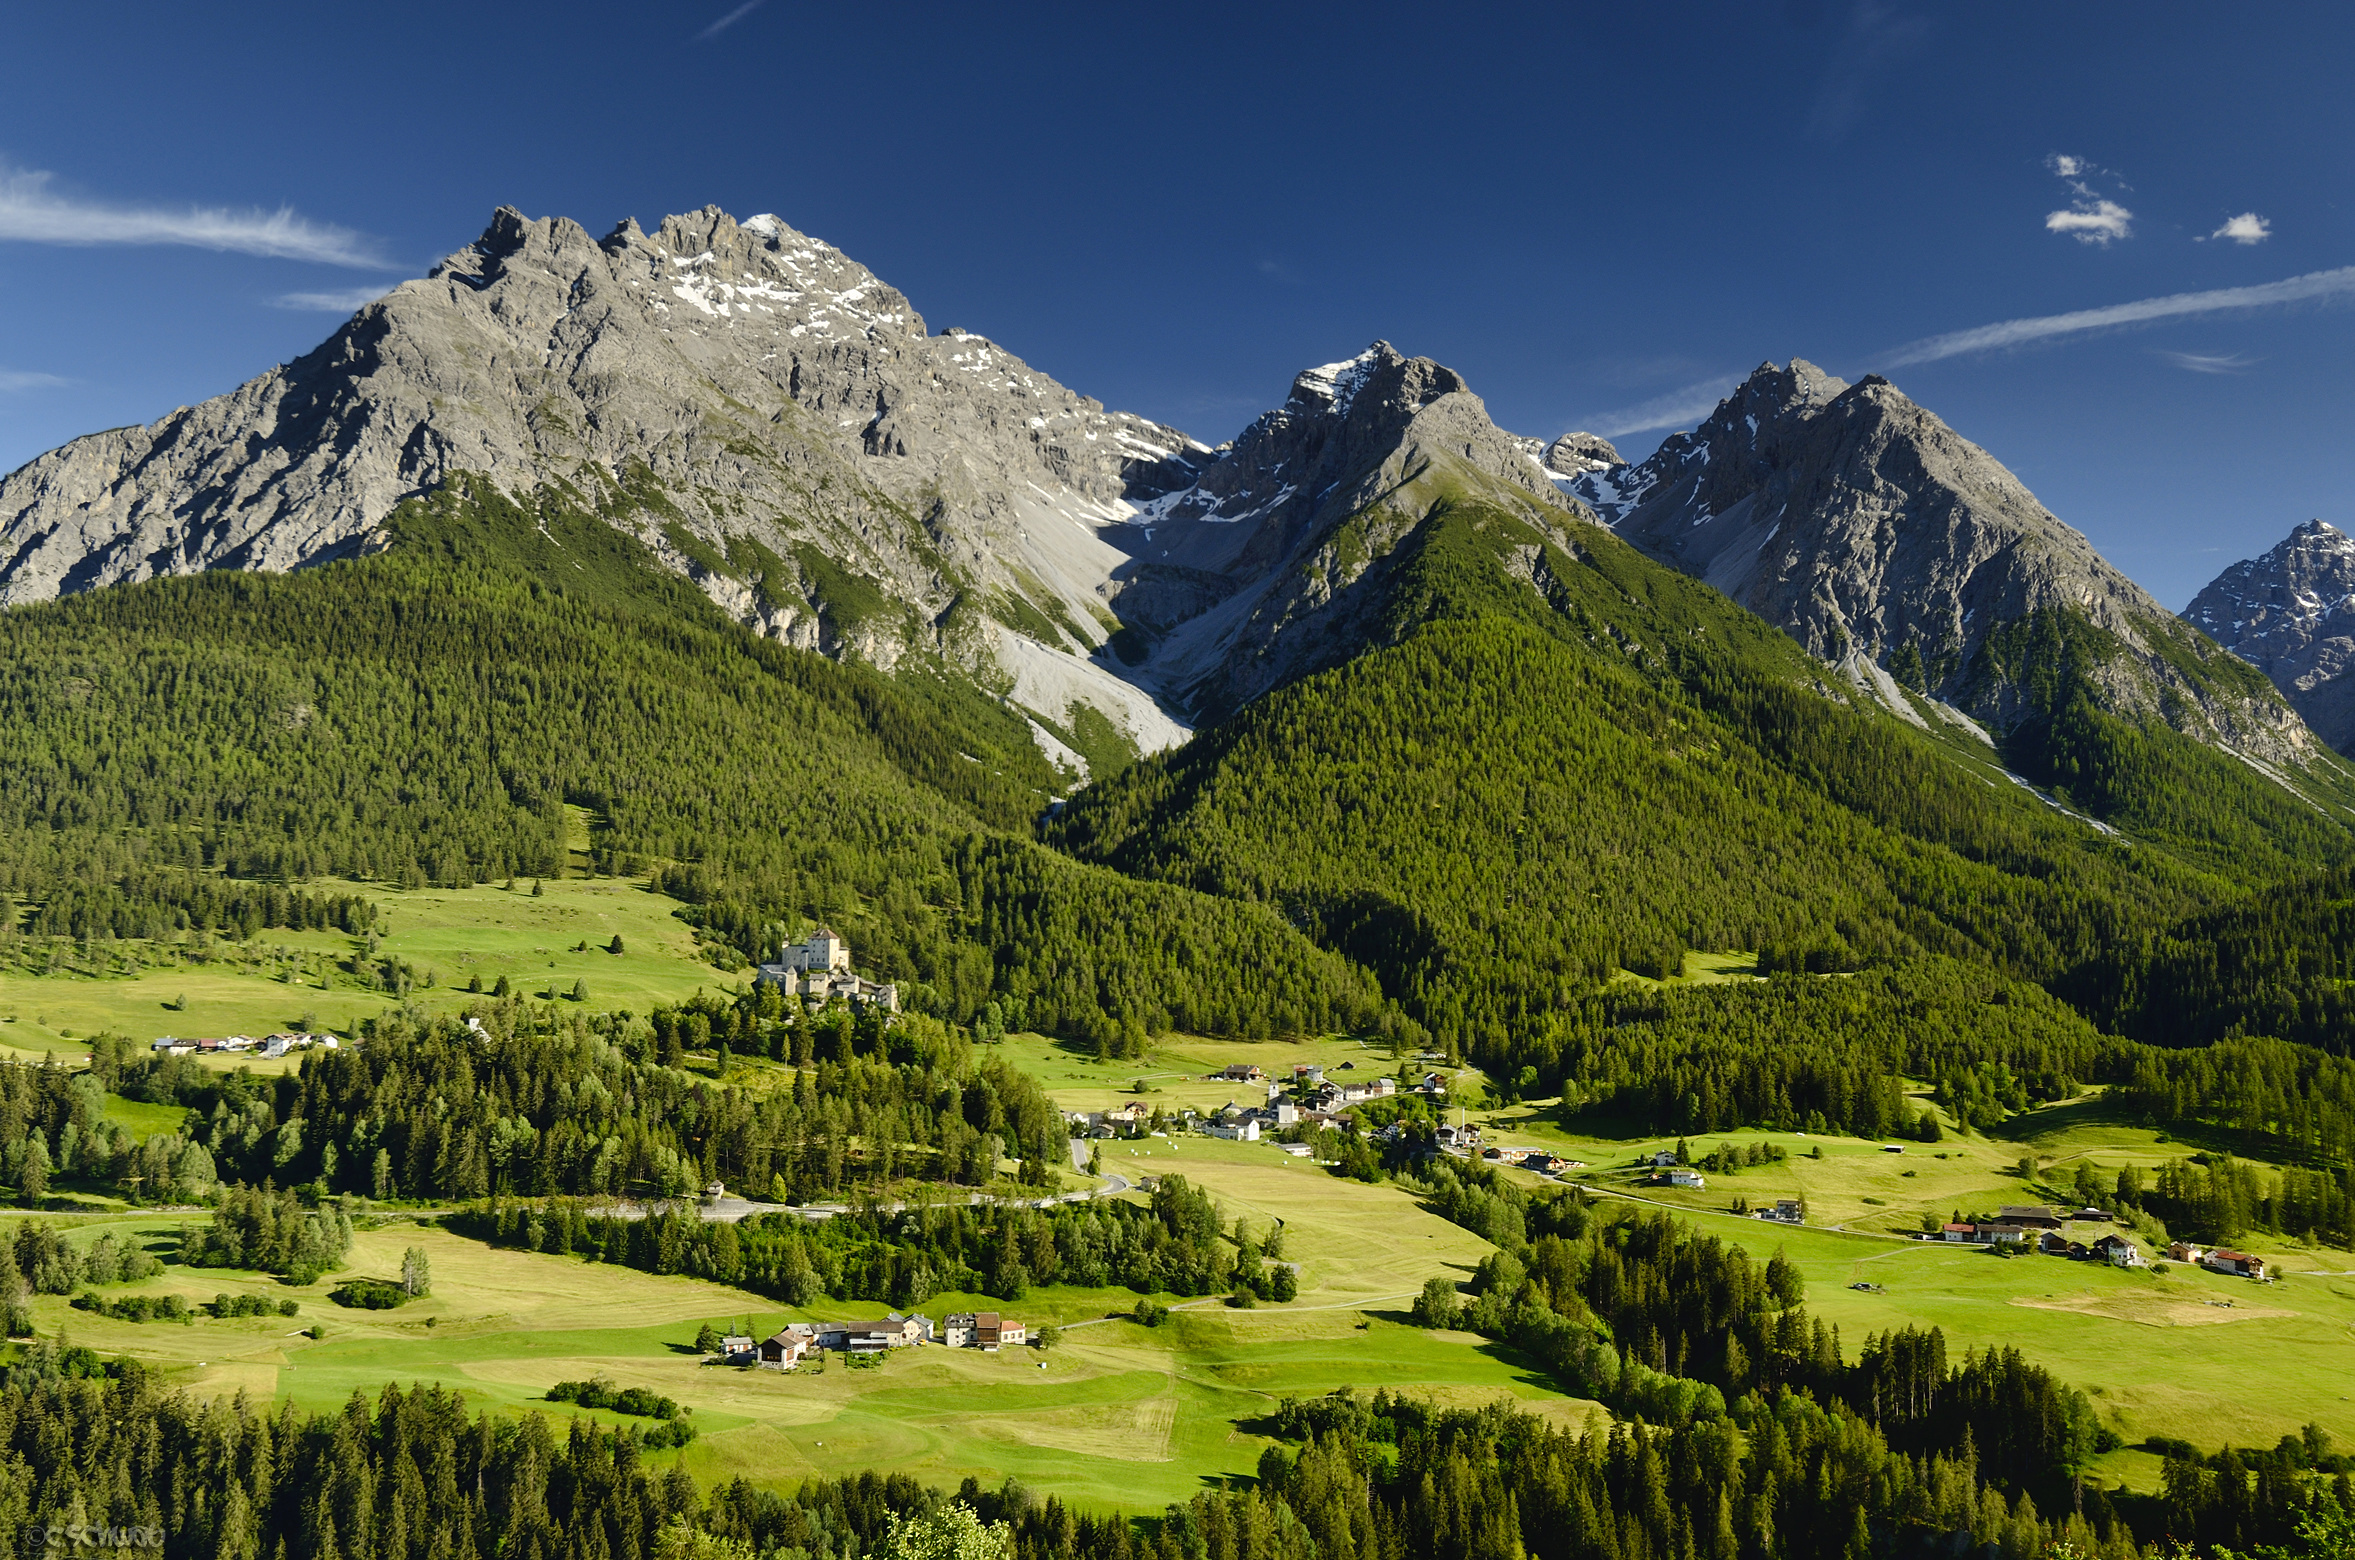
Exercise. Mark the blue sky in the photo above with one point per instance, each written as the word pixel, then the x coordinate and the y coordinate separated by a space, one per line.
pixel 1595 213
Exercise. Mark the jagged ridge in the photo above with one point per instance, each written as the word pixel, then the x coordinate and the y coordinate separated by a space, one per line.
pixel 2291 614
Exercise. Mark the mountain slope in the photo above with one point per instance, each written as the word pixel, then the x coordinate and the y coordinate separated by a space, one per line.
pixel 1552 758
pixel 428 713
pixel 1885 542
pixel 763 413
pixel 2279 962
pixel 1281 570
pixel 2291 614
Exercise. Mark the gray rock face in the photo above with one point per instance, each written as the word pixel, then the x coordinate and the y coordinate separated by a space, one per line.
pixel 1576 453
pixel 1862 525
pixel 2291 614
pixel 1264 577
pixel 763 384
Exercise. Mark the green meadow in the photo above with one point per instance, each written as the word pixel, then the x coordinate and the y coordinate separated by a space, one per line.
pixel 282 979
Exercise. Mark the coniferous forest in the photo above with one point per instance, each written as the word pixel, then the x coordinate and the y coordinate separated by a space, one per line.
pixel 1547 766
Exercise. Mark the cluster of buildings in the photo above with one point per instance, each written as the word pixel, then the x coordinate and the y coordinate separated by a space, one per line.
pixel 795 1342
pixel 2219 1259
pixel 1536 1160
pixel 2034 1227
pixel 219 1045
pixel 817 970
pixel 1120 1121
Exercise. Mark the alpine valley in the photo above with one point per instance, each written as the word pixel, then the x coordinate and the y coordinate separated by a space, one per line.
pixel 594 620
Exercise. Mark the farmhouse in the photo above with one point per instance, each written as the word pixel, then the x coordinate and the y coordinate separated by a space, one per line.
pixel 786 1348
pixel 1238 1072
pixel 2033 1216
pixel 981 1330
pixel 1959 1232
pixel 2238 1263
pixel 1786 1210
pixel 1680 1175
pixel 2117 1251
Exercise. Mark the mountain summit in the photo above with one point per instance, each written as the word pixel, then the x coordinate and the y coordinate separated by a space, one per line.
pixel 2291 613
pixel 760 410
pixel 1886 542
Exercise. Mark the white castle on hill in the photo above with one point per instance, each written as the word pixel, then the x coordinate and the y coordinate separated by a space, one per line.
pixel 818 970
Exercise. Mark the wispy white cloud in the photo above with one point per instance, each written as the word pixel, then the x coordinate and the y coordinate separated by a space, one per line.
pixel 728 21
pixel 24 379
pixel 2090 217
pixel 2013 333
pixel 2247 228
pixel 343 302
pixel 2092 221
pixel 34 213
pixel 1673 410
pixel 2211 363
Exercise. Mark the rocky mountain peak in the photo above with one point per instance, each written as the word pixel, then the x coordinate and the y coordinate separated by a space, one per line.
pixel 1574 454
pixel 2291 614
pixel 1879 537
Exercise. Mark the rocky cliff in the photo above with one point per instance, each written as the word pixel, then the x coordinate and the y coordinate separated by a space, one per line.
pixel 2291 614
pixel 760 409
pixel 1887 543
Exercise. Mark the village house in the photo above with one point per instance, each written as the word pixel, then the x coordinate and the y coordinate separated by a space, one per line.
pixel 2238 1263
pixel 1238 1129
pixel 786 1348
pixel 739 1348
pixel 1307 1074
pixel 986 1330
pixel 2183 1251
pixel 1959 1232
pixel 2117 1251
pixel 1680 1175
pixel 1238 1072
pixel 2033 1216
pixel 1786 1210
pixel 1664 1158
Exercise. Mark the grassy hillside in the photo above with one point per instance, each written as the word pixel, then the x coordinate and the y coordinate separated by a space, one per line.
pixel 440 713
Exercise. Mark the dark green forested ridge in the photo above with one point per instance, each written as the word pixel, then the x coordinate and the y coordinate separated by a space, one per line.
pixel 428 713
pixel 1524 789
pixel 1904 1469
pixel 2278 962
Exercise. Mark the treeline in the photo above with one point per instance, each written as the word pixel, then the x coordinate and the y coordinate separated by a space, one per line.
pixel 102 1445
pixel 546 1104
pixel 154 906
pixel 1708 1058
pixel 1173 1245
pixel 53 1128
pixel 427 715
pixel 2280 962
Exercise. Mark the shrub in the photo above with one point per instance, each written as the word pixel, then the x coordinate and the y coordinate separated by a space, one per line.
pixel 369 1294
